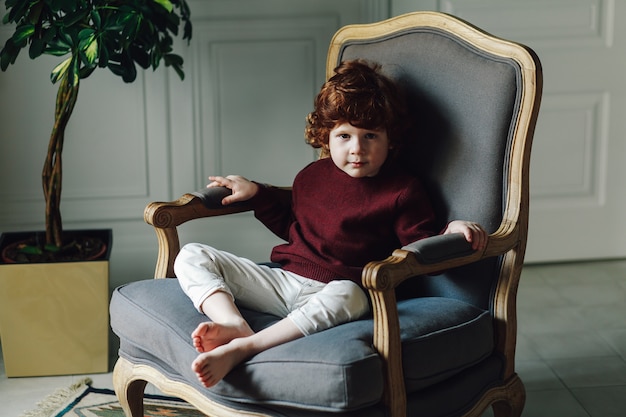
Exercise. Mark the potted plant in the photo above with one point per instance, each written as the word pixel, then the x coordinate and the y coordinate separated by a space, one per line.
pixel 87 34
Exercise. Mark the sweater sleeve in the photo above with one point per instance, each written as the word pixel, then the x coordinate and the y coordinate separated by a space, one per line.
pixel 416 217
pixel 272 207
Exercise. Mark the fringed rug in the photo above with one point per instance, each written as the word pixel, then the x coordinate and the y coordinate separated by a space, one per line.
pixel 83 400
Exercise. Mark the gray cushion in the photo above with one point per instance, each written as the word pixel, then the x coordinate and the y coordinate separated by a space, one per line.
pixel 335 370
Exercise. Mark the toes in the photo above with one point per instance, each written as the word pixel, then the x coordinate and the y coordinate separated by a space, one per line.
pixel 203 372
pixel 201 330
pixel 197 344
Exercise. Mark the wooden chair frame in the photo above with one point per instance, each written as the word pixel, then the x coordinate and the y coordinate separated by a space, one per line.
pixel 380 278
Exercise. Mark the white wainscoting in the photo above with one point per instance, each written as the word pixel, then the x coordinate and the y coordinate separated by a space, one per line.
pixel 578 163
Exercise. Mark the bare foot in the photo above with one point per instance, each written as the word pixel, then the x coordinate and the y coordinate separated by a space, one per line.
pixel 209 335
pixel 211 367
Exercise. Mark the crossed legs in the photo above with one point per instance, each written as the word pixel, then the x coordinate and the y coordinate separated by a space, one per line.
pixel 228 339
pixel 214 279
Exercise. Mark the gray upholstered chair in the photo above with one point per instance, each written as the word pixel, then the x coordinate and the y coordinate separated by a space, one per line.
pixel 438 345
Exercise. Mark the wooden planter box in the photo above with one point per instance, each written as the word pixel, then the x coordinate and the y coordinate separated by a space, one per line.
pixel 54 316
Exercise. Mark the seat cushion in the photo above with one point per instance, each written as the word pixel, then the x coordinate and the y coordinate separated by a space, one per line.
pixel 334 370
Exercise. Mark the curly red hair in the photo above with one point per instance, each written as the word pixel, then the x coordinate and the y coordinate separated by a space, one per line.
pixel 361 95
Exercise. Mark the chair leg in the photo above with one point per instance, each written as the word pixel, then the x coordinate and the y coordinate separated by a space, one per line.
pixel 129 391
pixel 513 405
pixel 505 401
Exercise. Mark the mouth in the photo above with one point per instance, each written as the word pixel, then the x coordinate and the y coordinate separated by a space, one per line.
pixel 357 163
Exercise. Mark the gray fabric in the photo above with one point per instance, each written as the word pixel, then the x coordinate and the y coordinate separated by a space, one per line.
pixel 334 370
pixel 440 248
pixel 212 197
pixel 456 395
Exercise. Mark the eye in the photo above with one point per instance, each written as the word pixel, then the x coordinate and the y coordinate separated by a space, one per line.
pixel 344 136
pixel 371 135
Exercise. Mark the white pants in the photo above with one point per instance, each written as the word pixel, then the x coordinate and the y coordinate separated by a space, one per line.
pixel 312 305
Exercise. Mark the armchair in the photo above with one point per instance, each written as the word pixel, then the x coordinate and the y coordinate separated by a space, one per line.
pixel 437 344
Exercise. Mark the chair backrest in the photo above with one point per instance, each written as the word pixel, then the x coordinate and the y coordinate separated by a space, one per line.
pixel 474 99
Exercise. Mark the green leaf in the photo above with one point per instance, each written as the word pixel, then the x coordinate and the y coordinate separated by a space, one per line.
pixel 179 71
pixel 58 45
pixel 19 11
pixel 74 18
pixel 103 56
pixel 22 33
pixel 86 71
pixel 133 33
pixel 176 62
pixel 9 54
pixel 165 44
pixel 140 57
pixel 123 66
pixel 86 34
pixel 122 18
pixel 97 20
pixel 60 70
pixel 116 68
pixel 131 28
pixel 172 22
pixel 167 5
pixel 64 5
pixel 173 59
pixel 155 58
pixel 91 52
pixel 5 19
pixel 30 250
pixel 187 31
pixel 130 73
pixel 48 35
pixel 64 38
pixel 36 48
pixel 88 46
pixel 34 13
pixel 74 72
pixel 51 248
pixel 52 50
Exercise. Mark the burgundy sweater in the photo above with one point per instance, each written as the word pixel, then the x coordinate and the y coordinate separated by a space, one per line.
pixel 336 224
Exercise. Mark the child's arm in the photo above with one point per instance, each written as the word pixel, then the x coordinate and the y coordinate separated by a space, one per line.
pixel 473 232
pixel 242 188
pixel 270 206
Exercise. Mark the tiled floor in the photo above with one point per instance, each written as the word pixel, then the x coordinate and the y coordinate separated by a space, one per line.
pixel 571 345
pixel 571 351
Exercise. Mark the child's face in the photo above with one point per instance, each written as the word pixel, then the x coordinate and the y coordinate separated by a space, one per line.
pixel 356 151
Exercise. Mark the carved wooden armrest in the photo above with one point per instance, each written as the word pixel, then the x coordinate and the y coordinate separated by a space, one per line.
pixel 426 256
pixel 167 216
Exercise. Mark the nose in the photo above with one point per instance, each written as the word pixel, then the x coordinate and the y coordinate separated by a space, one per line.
pixel 357 146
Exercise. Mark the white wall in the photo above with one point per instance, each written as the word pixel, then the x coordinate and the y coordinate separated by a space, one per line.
pixel 578 162
pixel 252 70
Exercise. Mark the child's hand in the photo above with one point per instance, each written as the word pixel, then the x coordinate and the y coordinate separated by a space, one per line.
pixel 473 232
pixel 242 188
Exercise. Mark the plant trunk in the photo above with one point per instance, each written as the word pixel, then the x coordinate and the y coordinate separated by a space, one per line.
pixel 52 174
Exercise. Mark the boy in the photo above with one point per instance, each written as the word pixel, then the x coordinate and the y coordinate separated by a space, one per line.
pixel 346 210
